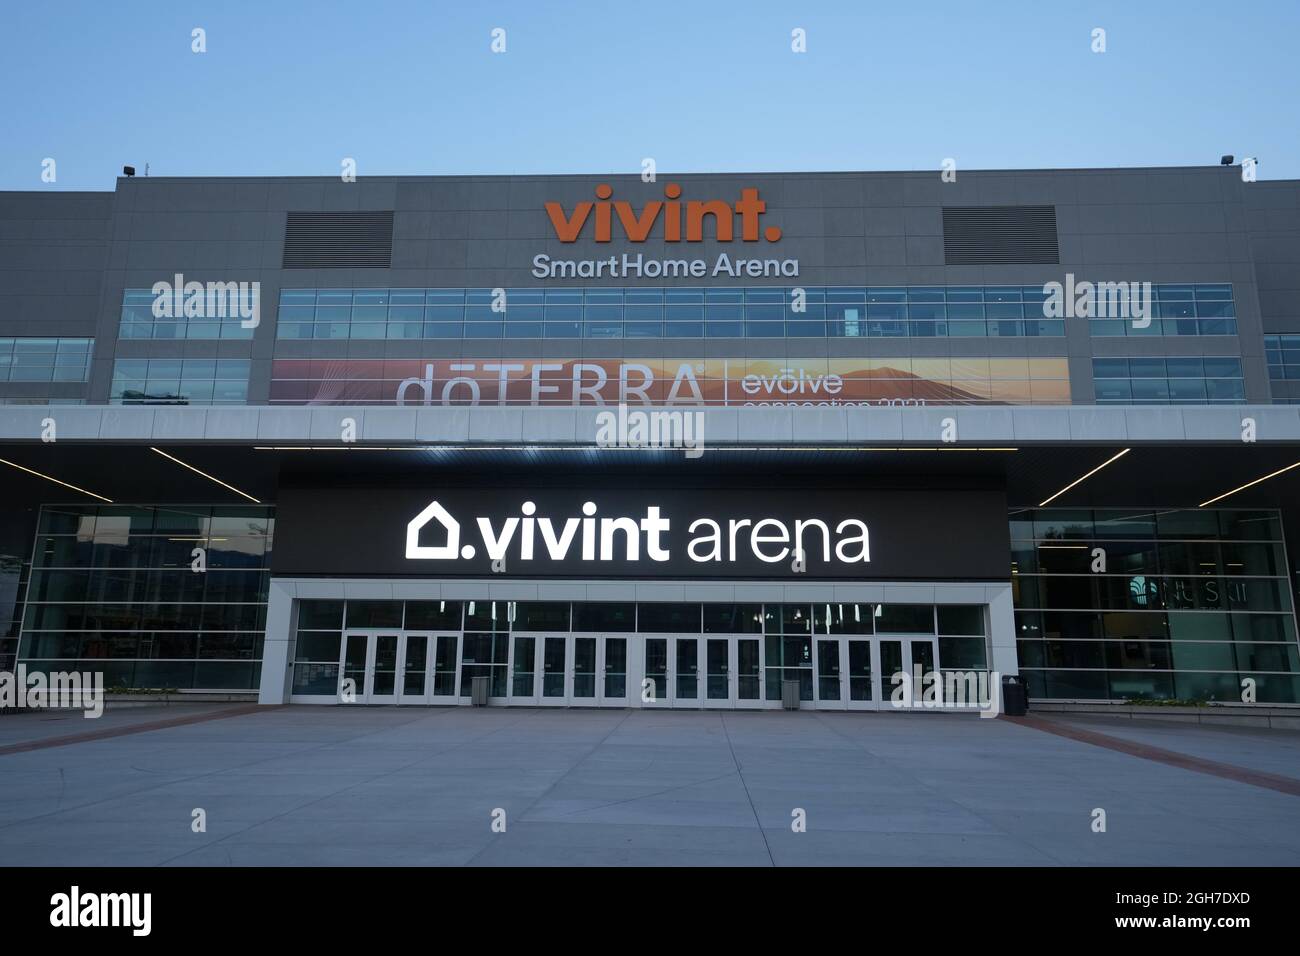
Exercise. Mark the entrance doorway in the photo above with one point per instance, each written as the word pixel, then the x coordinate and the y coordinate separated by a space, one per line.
pixel 395 667
pixel 568 670
pixel 711 671
pixel 858 673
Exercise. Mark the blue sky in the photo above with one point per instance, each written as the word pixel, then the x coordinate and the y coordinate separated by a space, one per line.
pixel 290 88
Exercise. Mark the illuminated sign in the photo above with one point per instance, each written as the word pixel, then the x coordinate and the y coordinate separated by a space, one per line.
pixel 469 527
pixel 822 382
pixel 530 536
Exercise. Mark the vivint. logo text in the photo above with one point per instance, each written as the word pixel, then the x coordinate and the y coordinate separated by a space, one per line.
pixel 75 909
pixel 624 538
pixel 1098 300
pixel 40 690
pixel 680 220
pixel 651 430
pixel 213 300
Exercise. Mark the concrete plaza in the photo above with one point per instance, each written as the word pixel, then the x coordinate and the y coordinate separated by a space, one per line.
pixel 374 786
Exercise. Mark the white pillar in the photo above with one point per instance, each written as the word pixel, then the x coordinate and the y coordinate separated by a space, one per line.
pixel 277 645
pixel 1002 630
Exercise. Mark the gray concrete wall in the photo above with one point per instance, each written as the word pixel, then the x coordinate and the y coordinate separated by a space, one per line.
pixel 1160 225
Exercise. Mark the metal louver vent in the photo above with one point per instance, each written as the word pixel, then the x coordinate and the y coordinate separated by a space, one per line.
pixel 980 235
pixel 338 240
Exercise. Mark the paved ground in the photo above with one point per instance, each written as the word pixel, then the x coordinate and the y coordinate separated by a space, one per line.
pixel 302 785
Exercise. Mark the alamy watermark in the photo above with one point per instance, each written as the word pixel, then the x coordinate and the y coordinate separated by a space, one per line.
pixel 1098 300
pixel 41 690
pixel 657 428
pixel 211 300
pixel 75 908
pixel 949 690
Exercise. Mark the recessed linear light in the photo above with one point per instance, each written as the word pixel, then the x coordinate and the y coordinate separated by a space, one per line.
pixel 205 475
pixel 55 480
pixel 1085 477
pixel 591 448
pixel 1249 484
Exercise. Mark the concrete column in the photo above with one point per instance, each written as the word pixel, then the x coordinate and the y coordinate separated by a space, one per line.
pixel 1002 631
pixel 277 645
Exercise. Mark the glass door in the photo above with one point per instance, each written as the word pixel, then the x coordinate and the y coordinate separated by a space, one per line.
pixel 749 671
pixel 829 682
pixel 908 659
pixel 861 690
pixel 582 682
pixel 353 686
pixel 613 668
pixel 656 691
pixel 369 667
pixel 523 670
pixel 687 683
pixel 446 668
pixel 553 669
pixel 719 675
pixel 412 682
pixel 382 667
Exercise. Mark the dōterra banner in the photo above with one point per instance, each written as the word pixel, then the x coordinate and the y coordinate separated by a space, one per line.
pixel 685 381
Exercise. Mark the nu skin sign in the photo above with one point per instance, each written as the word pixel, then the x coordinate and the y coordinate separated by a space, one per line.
pixel 684 534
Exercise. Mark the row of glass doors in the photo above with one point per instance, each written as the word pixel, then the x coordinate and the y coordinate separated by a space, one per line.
pixel 595 670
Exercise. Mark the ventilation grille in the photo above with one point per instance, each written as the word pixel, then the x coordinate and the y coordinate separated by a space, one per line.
pixel 979 235
pixel 338 240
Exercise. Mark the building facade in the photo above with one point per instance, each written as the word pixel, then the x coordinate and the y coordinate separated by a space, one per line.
pixel 610 442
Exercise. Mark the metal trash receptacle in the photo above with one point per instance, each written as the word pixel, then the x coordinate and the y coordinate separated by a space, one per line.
pixel 1015 696
pixel 479 690
pixel 790 694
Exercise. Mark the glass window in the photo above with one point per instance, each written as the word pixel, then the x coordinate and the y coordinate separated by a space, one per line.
pixel 362 614
pixel 733 618
pixel 842 618
pixel 960 619
pixel 660 618
pixel 609 616
pixel 433 615
pixel 541 616
pixel 904 619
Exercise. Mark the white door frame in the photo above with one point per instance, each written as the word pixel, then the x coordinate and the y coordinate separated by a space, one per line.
pixel 515 662
pixel 755 703
pixel 428 696
pixel 663 695
pixel 873 662
pixel 436 638
pixel 835 677
pixel 365 691
pixel 727 674
pixel 404 644
pixel 603 672
pixel 886 681
pixel 675 676
pixel 596 674
pixel 565 671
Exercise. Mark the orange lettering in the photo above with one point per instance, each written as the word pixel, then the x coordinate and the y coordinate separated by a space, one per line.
pixel 638 229
pixel 719 210
pixel 568 229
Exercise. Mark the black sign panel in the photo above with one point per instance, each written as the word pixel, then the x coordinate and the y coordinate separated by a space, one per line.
pixel 686 534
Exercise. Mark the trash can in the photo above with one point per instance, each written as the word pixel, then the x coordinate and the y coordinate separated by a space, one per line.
pixel 790 694
pixel 1015 697
pixel 479 690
